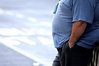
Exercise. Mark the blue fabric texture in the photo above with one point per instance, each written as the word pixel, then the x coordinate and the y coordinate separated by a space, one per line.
pixel 69 11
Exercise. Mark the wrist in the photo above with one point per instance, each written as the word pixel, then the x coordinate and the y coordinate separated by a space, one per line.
pixel 72 40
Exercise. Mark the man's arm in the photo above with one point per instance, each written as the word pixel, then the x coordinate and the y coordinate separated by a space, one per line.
pixel 78 29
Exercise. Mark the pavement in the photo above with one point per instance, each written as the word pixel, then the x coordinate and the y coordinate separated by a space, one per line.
pixel 10 57
pixel 25 32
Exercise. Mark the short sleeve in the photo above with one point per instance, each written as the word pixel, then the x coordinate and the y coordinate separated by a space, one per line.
pixel 83 10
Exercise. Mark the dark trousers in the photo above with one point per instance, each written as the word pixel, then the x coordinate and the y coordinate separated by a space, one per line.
pixel 76 56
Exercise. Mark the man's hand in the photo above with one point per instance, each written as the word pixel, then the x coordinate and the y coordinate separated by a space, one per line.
pixel 78 29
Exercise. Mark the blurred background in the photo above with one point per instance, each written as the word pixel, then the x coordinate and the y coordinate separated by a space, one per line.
pixel 25 32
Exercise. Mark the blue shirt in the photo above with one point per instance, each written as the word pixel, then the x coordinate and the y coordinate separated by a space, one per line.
pixel 69 11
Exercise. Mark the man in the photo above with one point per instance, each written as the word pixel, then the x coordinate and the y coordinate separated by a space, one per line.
pixel 75 31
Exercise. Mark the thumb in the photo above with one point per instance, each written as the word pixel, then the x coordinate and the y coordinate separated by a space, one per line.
pixel 71 45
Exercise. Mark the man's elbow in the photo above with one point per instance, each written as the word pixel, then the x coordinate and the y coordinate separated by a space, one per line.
pixel 80 23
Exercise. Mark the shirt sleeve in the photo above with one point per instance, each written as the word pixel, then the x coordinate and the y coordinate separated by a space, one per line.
pixel 83 10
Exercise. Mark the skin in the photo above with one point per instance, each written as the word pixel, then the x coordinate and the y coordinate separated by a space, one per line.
pixel 78 28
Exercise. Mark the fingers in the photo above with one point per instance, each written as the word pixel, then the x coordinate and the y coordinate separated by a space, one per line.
pixel 71 45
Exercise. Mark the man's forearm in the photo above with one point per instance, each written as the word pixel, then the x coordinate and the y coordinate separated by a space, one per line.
pixel 78 29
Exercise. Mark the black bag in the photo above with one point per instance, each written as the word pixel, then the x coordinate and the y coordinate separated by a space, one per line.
pixel 95 56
